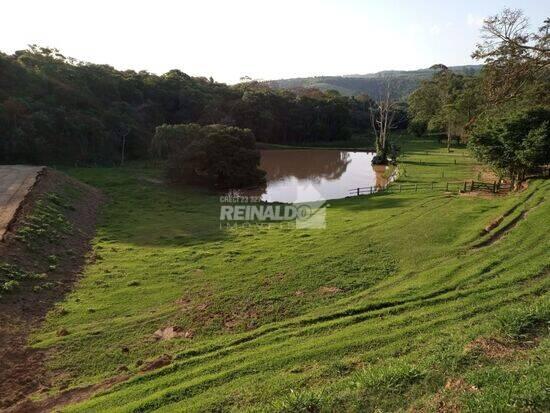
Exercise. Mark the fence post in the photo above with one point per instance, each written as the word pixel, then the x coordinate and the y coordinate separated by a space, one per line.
pixel 357 191
pixel 472 186
pixel 464 190
pixel 447 187
pixel 371 190
pixel 494 187
pixel 415 187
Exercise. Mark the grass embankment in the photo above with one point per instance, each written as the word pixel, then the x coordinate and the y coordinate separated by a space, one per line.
pixel 392 306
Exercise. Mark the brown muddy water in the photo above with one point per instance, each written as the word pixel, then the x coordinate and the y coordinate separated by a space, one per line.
pixel 302 175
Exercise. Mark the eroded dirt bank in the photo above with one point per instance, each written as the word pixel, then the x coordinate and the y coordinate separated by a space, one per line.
pixel 41 256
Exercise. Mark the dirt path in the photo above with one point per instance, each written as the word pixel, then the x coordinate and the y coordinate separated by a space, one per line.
pixel 15 183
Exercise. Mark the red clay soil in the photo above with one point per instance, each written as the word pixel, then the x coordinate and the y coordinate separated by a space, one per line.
pixel 75 395
pixel 22 369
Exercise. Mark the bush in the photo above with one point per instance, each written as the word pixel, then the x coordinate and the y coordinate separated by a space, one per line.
pixel 417 128
pixel 216 155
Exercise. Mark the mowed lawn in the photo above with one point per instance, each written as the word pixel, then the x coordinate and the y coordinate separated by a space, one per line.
pixel 394 305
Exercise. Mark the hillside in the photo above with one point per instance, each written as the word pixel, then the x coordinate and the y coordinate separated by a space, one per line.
pixel 56 110
pixel 394 306
pixel 353 85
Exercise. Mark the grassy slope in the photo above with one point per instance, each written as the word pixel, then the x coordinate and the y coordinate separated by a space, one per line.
pixel 413 294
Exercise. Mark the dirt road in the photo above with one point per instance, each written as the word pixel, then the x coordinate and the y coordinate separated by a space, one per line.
pixel 15 182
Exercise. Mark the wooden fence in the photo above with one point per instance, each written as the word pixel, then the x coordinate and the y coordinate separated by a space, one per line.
pixel 458 186
pixel 494 187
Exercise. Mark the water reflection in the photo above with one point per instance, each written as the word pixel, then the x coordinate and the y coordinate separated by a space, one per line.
pixel 304 164
pixel 315 174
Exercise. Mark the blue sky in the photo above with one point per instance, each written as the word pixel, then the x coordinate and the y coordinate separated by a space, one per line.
pixel 261 39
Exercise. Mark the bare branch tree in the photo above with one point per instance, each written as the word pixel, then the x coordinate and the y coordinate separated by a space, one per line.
pixel 122 131
pixel 382 115
pixel 514 57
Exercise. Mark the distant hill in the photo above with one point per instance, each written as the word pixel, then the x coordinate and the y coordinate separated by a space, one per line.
pixel 353 85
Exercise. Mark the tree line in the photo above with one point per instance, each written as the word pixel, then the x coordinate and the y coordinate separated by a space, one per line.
pixel 57 110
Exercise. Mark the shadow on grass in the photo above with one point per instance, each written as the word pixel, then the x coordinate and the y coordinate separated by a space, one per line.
pixel 370 202
pixel 145 213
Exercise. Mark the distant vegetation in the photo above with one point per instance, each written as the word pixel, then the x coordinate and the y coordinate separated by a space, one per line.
pixel 354 85
pixel 57 110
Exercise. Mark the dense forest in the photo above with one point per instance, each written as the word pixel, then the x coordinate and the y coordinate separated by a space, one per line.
pixel 57 110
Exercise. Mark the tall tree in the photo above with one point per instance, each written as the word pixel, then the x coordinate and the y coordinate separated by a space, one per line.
pixel 382 113
pixel 448 102
pixel 515 58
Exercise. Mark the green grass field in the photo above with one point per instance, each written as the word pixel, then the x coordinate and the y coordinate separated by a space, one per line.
pixel 391 307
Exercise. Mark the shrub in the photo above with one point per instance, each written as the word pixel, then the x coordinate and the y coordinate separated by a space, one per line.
pixel 417 128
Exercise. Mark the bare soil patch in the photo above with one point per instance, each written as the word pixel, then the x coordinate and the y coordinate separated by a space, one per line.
pixel 446 400
pixel 329 290
pixel 22 370
pixel 168 333
pixel 157 363
pixel 71 396
pixel 497 349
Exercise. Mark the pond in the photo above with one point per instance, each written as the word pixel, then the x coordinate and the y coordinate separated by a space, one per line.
pixel 302 175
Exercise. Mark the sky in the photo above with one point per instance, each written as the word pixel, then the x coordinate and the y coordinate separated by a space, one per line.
pixel 263 39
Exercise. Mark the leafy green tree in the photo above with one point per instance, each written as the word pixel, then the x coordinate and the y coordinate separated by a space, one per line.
pixel 216 155
pixel 417 127
pixel 448 102
pixel 514 144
